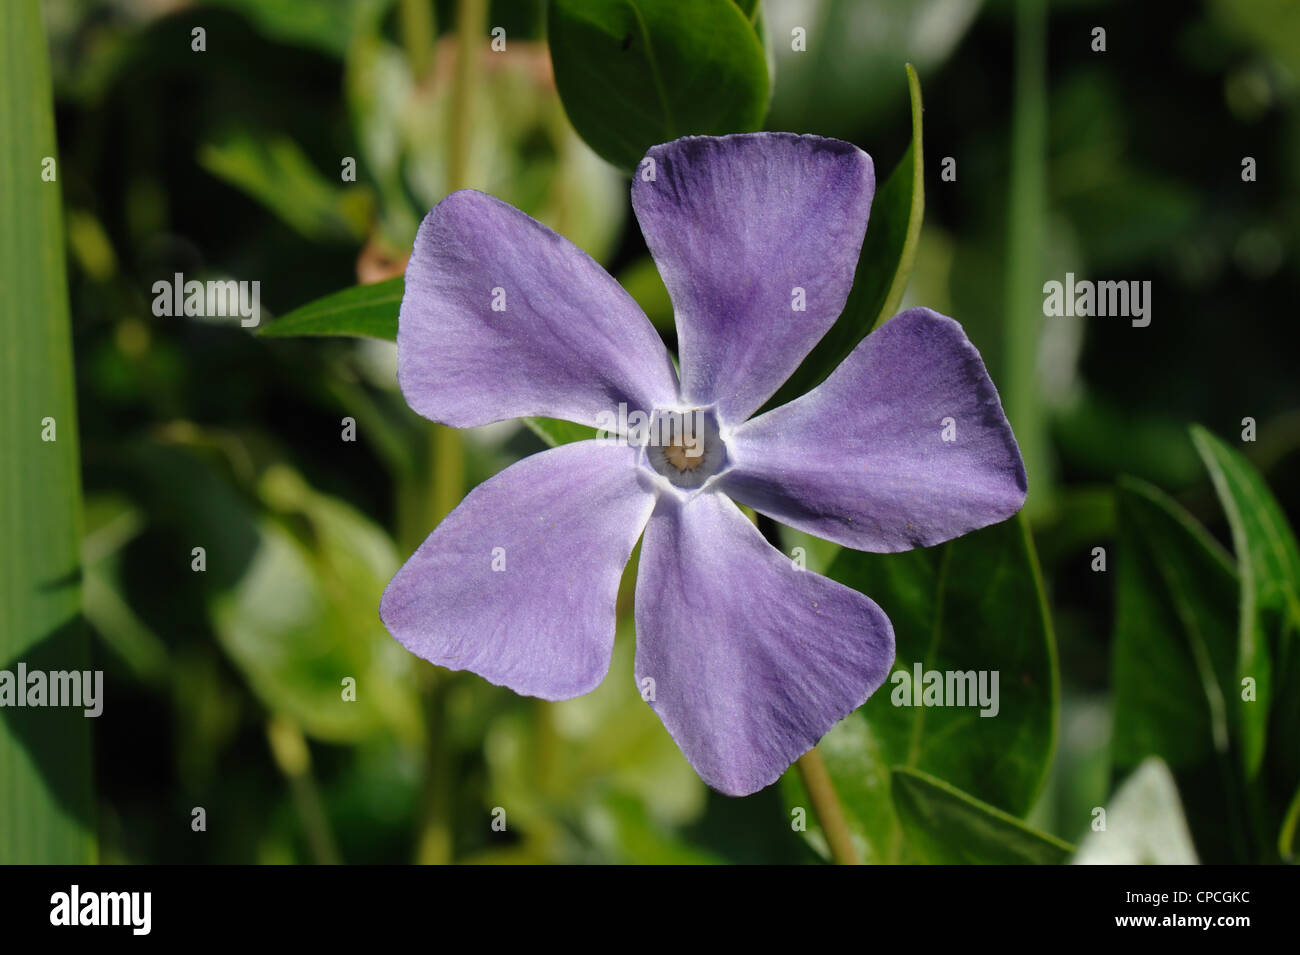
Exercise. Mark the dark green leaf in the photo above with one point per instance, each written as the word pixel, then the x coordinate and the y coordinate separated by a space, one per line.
pixel 1266 547
pixel 946 826
pixel 368 311
pixel 371 311
pixel 884 266
pixel 974 604
pixel 1269 565
pixel 633 73
pixel 1174 657
pixel 45 761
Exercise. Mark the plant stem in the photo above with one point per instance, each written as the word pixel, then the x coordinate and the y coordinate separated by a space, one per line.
pixel 416 18
pixel 293 759
pixel 471 20
pixel 447 458
pixel 1026 238
pixel 826 804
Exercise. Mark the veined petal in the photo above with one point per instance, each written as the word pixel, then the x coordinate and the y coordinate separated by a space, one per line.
pixel 518 583
pixel 904 445
pixel 502 318
pixel 753 659
pixel 756 237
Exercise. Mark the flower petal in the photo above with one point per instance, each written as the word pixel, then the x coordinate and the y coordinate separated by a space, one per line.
pixel 736 224
pixel 864 458
pixel 564 340
pixel 753 660
pixel 518 583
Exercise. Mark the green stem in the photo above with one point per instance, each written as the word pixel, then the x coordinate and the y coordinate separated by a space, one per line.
pixel 293 759
pixel 1026 231
pixel 447 455
pixel 471 22
pixel 416 19
pixel 826 805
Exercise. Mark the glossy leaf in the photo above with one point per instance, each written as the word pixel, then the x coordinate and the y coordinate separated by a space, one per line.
pixel 884 266
pixel 367 311
pixel 45 760
pixel 1268 563
pixel 371 311
pixel 1174 658
pixel 973 605
pixel 944 825
pixel 633 73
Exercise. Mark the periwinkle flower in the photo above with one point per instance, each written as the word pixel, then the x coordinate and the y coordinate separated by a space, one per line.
pixel 752 659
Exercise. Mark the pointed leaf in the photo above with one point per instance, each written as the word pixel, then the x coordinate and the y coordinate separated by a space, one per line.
pixel 1268 563
pixel 974 606
pixel 1174 659
pixel 884 266
pixel 946 826
pixel 45 758
pixel 365 311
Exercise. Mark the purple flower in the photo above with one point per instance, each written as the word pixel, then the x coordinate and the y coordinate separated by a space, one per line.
pixel 747 658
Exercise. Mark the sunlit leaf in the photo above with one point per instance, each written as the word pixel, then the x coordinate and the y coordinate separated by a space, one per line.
pixel 45 759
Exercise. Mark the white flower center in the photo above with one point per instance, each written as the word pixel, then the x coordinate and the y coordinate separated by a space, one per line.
pixel 685 447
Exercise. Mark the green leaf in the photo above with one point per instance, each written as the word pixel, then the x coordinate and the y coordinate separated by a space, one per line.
pixel 633 73
pixel 45 761
pixel 1268 562
pixel 947 826
pixel 884 266
pixel 1145 824
pixel 554 431
pixel 1286 837
pixel 368 311
pixel 973 604
pixel 371 310
pixel 323 25
pixel 1173 658
pixel 276 172
pixel 1173 655
pixel 303 617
